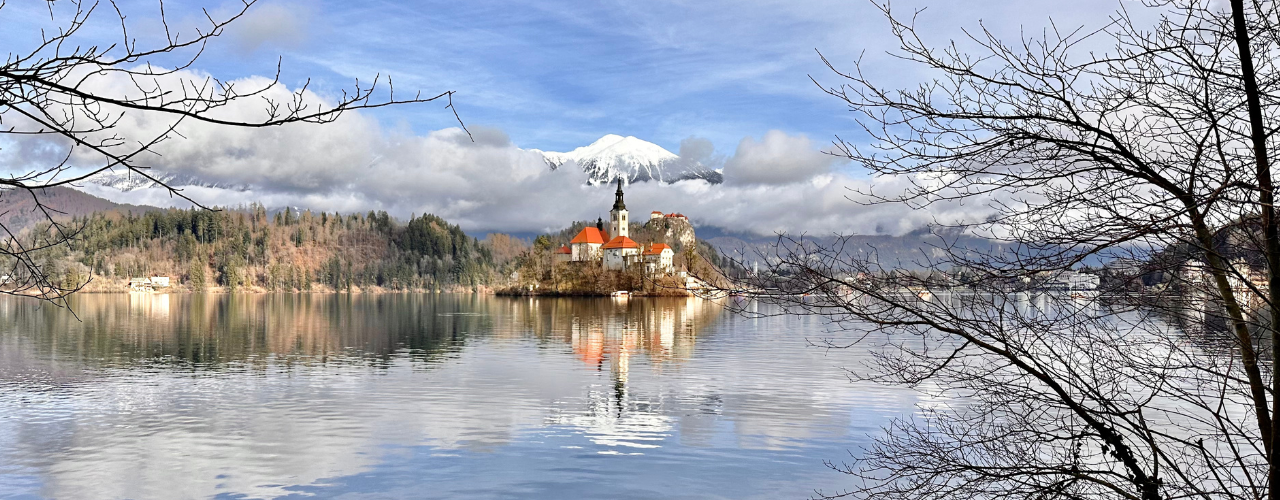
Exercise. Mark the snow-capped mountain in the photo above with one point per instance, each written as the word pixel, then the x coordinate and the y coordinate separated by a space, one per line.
pixel 129 181
pixel 604 161
pixel 613 156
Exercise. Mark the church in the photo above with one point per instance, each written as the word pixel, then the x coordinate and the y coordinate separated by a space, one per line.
pixel 618 252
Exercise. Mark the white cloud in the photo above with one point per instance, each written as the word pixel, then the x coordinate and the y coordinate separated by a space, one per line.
pixel 777 158
pixel 778 183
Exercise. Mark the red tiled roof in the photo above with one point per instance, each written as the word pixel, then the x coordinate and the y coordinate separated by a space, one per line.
pixel 621 242
pixel 659 212
pixel 656 249
pixel 589 235
pixel 564 249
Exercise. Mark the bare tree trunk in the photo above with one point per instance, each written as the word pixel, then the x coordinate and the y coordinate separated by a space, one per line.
pixel 1271 236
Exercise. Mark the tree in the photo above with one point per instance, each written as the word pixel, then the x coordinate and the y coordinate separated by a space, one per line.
pixel 52 91
pixel 1156 154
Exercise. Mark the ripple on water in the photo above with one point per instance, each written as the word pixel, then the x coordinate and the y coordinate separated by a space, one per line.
pixel 425 395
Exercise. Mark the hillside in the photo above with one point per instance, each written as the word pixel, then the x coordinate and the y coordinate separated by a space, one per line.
pixel 286 251
pixel 907 251
pixel 18 210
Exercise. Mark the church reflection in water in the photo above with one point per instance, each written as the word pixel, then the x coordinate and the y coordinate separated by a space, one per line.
pixel 258 395
pixel 609 336
pixel 606 337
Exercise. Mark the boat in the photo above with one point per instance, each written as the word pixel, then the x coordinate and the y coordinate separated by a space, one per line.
pixel 620 294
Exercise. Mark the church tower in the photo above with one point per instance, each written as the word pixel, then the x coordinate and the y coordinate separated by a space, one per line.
pixel 618 224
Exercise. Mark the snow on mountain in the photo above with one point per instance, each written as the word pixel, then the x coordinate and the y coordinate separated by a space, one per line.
pixel 129 181
pixel 635 160
pixel 604 161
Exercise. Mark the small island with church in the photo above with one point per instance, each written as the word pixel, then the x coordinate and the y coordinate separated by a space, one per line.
pixel 660 256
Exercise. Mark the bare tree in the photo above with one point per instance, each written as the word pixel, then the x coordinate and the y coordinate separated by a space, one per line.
pixel 51 91
pixel 1155 155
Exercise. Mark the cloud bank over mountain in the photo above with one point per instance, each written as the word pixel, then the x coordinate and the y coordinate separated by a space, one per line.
pixel 779 182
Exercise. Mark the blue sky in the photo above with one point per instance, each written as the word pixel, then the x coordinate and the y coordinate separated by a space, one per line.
pixel 555 75
pixel 558 74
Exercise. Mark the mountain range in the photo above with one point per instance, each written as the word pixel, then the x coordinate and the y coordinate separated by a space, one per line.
pixel 607 159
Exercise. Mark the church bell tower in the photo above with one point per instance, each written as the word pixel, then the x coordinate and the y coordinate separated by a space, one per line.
pixel 618 225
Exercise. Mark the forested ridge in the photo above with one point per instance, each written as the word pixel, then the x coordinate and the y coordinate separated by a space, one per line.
pixel 282 251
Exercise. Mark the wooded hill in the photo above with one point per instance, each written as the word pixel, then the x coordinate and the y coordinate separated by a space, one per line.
pixel 287 250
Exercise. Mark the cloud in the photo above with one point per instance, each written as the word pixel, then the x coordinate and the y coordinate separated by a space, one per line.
pixel 777 158
pixel 778 183
pixel 279 24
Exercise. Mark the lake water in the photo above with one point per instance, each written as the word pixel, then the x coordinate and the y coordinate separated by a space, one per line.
pixel 423 396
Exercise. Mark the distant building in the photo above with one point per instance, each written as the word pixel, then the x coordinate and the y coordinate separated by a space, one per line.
pixel 1067 280
pixel 148 284
pixel 1125 266
pixel 586 245
pixel 618 224
pixel 619 252
pixel 562 254
pixel 659 258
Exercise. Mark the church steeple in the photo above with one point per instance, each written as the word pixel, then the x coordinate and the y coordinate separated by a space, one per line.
pixel 617 202
pixel 618 225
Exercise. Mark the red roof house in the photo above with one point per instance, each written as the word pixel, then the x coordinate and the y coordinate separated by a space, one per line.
pixel 657 249
pixel 621 242
pixel 590 235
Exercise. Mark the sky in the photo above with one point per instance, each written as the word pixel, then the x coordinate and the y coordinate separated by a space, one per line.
pixel 727 81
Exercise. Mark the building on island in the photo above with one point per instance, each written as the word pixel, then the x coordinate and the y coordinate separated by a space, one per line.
pixel 618 225
pixel 620 253
pixel 659 258
pixel 614 248
pixel 562 254
pixel 586 245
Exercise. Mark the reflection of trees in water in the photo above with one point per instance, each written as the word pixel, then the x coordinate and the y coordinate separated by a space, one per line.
pixel 1201 319
pixel 215 329
pixel 210 330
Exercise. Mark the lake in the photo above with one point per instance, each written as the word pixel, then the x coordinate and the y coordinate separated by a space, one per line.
pixel 424 396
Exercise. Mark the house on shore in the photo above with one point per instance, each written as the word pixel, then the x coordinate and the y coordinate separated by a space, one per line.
pixel 148 284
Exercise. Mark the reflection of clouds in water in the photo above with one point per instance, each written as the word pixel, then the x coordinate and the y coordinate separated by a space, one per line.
pixel 628 378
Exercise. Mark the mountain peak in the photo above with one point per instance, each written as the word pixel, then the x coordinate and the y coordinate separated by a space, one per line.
pixel 614 147
pixel 635 160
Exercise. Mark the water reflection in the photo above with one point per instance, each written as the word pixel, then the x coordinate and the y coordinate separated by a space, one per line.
pixel 154 396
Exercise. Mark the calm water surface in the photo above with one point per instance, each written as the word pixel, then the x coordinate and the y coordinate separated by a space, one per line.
pixel 423 396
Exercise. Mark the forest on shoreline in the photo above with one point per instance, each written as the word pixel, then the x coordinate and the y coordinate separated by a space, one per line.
pixel 252 249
